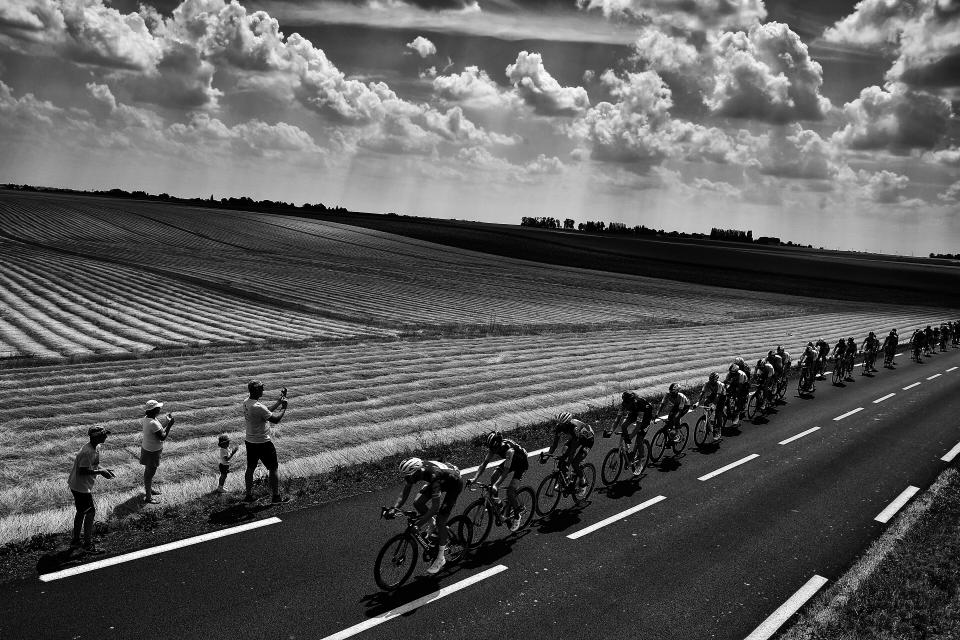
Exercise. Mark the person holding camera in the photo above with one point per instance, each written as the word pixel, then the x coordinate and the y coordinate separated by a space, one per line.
pixel 155 431
pixel 86 468
pixel 259 446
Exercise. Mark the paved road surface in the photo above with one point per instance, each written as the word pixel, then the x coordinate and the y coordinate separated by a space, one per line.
pixel 712 560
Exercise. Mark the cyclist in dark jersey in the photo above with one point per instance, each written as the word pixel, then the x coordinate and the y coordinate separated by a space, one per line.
pixel 631 408
pixel 823 352
pixel 580 439
pixel 738 385
pixel 890 347
pixel 715 393
pixel 928 340
pixel 442 488
pixel 515 461
pixel 808 363
pixel 870 346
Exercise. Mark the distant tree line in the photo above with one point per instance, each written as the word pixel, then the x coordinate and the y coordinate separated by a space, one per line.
pixel 731 235
pixel 948 256
pixel 242 203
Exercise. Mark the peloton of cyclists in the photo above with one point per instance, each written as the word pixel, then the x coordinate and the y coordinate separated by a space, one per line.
pixel 679 406
pixel 714 393
pixel 442 488
pixel 515 462
pixel 738 386
pixel 633 409
pixel 580 439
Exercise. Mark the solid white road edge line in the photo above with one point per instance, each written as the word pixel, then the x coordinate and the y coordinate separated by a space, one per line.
pixel 936 375
pixel 713 474
pixel 950 455
pixel 416 604
pixel 170 546
pixel 500 462
pixel 848 414
pixel 769 626
pixel 911 386
pixel 951 369
pixel 612 519
pixel 898 355
pixel 897 504
pixel 798 436
pixel 886 397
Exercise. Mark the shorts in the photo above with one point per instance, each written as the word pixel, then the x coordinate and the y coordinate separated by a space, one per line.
pixel 84 501
pixel 149 458
pixel 224 468
pixel 262 451
pixel 450 497
pixel 519 465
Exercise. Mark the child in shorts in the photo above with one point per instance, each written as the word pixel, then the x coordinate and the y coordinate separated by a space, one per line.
pixel 225 454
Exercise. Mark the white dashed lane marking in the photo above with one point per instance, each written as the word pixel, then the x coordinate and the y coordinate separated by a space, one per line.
pixel 799 435
pixel 911 386
pixel 951 369
pixel 848 414
pixel 897 504
pixel 714 474
pixel 951 454
pixel 615 518
pixel 936 375
pixel 886 397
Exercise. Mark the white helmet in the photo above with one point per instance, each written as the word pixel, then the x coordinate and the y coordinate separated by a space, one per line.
pixel 564 418
pixel 410 466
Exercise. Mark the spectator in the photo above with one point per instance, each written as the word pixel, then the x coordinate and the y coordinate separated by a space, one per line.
pixel 258 444
pixel 223 443
pixel 86 468
pixel 154 433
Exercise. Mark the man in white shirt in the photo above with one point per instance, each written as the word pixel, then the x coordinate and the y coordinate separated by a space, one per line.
pixel 86 468
pixel 155 431
pixel 258 444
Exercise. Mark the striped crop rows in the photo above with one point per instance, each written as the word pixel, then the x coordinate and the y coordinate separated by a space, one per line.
pixel 354 402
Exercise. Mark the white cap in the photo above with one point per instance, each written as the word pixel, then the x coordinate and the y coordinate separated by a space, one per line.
pixel 151 405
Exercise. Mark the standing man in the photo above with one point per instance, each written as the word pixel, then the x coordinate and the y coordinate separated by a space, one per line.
pixel 86 468
pixel 155 431
pixel 258 444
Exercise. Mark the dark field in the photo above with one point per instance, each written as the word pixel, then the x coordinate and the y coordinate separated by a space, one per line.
pixel 795 270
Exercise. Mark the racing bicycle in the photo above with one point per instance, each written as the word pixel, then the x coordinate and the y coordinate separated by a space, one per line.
pixel 706 425
pixel 563 482
pixel 621 457
pixel 398 556
pixel 489 509
pixel 660 441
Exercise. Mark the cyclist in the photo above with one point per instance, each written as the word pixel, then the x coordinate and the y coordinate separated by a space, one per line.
pixel 890 347
pixel 918 341
pixel 774 358
pixel 928 341
pixel 738 385
pixel 580 439
pixel 679 406
pixel 713 392
pixel 869 347
pixel 944 336
pixel 850 355
pixel 766 376
pixel 823 351
pixel 442 488
pixel 808 363
pixel 743 366
pixel 514 462
pixel 785 357
pixel 631 408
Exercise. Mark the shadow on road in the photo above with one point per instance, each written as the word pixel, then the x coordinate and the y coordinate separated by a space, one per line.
pixel 239 512
pixel 560 520
pixel 62 558
pixel 623 488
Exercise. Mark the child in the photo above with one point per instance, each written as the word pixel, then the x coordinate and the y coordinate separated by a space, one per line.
pixel 225 454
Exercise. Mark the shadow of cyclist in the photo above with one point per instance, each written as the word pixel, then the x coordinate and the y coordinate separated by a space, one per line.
pixel 561 519
pixel 624 488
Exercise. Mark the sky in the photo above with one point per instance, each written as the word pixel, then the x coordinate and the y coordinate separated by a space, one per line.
pixel 824 122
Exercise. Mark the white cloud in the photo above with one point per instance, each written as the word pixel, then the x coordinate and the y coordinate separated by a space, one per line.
pixel 952 193
pixel 423 47
pixel 872 23
pixel 765 74
pixel 656 50
pixel 540 90
pixel 895 118
pixel 949 157
pixel 473 88
pixel 694 15
pixel 883 186
pixel 795 152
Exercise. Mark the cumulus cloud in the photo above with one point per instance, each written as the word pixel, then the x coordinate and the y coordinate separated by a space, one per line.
pixel 896 118
pixel 949 157
pixel 952 194
pixel 473 88
pixel 255 136
pixel 423 47
pixel 872 23
pixel 661 52
pixel 540 90
pixel 686 14
pixel 766 74
pixel 795 152
pixel 883 186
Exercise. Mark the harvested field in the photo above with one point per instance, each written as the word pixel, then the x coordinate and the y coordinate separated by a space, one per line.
pixel 89 275
pixel 352 402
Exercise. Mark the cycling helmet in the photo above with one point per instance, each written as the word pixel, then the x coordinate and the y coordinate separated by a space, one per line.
pixel 733 368
pixel 770 353
pixel 494 438
pixel 873 335
pixel 564 418
pixel 626 396
pixel 810 344
pixel 779 348
pixel 410 466
pixel 739 362
pixel 674 387
pixel 714 376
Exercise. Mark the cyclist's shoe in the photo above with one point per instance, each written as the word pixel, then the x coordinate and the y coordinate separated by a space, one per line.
pixel 637 471
pixel 438 563
pixel 717 436
pixel 580 492
pixel 514 523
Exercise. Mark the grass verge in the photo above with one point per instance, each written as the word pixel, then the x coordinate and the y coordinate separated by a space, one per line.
pixel 906 586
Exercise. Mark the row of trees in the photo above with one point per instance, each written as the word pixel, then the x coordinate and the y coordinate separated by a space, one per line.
pixel 597 226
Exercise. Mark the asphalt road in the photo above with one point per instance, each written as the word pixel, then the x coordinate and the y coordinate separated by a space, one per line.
pixel 712 560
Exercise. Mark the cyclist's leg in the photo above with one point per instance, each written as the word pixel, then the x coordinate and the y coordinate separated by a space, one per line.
pixel 579 456
pixel 446 507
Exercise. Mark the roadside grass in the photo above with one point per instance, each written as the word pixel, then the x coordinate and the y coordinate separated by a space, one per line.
pixel 907 584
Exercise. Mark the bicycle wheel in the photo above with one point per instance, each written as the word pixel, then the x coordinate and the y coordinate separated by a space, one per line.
pixel 582 494
pixel 548 496
pixel 612 467
pixel 481 519
pixel 658 445
pixel 700 432
pixel 752 405
pixel 525 507
pixel 395 562
pixel 837 374
pixel 683 434
pixel 460 540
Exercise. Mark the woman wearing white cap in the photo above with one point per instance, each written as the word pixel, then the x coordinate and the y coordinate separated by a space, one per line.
pixel 154 433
